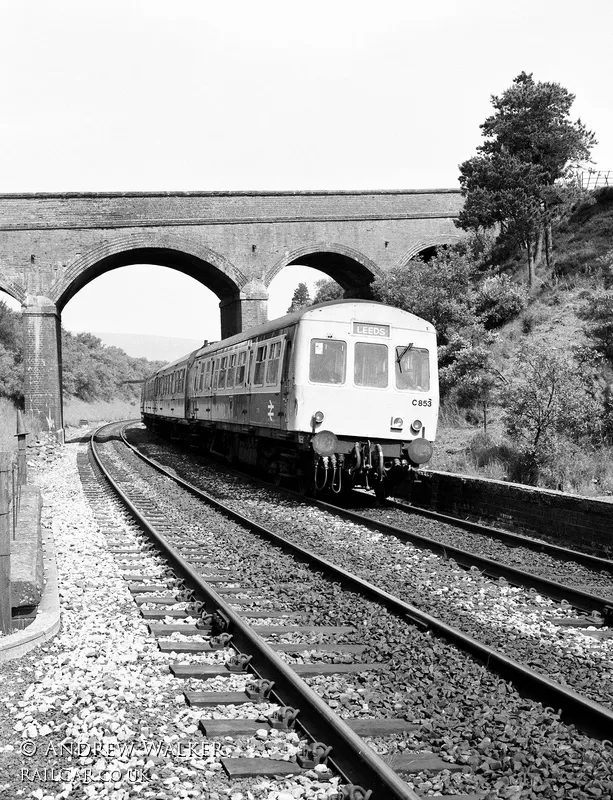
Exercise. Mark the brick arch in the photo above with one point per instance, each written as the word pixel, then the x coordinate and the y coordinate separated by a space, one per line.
pixel 199 261
pixel 347 266
pixel 16 292
pixel 424 244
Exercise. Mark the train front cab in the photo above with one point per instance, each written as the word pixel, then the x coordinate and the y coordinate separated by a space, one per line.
pixel 367 391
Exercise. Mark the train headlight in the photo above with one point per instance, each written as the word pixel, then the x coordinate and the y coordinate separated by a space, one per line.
pixel 416 425
pixel 396 423
pixel 420 451
pixel 318 417
pixel 325 443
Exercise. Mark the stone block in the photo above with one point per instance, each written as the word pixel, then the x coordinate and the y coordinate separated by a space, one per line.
pixel 26 551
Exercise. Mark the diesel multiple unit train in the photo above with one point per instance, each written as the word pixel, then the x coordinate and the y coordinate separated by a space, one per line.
pixel 336 395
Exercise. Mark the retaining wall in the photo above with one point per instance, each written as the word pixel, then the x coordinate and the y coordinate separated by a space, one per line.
pixel 580 523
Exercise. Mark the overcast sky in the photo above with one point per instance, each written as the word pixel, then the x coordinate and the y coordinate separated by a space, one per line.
pixel 124 95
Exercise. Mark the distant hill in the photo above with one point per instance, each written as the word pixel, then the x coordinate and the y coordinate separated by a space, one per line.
pixel 154 348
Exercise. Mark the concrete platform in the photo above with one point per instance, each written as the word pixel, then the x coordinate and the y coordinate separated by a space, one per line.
pixel 47 621
pixel 26 551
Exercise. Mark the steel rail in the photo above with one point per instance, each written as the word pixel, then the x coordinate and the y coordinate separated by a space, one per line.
pixel 588 716
pixel 584 601
pixel 351 756
pixel 555 550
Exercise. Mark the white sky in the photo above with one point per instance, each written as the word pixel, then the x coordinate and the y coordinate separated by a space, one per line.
pixel 123 95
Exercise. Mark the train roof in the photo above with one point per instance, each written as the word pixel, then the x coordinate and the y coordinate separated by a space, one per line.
pixel 286 321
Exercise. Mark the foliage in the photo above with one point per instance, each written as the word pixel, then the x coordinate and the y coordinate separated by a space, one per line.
pixel 463 303
pixel 10 329
pixel 326 290
pixel 550 402
pixel 11 374
pixel 598 311
pixel 513 182
pixel 300 299
pixel 92 371
pixel 440 290
pixel 11 356
pixel 499 300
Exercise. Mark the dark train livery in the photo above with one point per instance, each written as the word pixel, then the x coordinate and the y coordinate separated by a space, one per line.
pixel 336 395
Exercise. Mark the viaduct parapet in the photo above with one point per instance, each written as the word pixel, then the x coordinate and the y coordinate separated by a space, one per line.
pixel 235 243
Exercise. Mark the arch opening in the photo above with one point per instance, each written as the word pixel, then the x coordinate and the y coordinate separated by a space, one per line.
pixel 350 270
pixel 204 272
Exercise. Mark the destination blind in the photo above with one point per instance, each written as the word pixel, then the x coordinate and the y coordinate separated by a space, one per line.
pixel 371 329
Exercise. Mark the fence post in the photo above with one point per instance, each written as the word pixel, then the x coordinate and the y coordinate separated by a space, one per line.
pixel 5 544
pixel 21 450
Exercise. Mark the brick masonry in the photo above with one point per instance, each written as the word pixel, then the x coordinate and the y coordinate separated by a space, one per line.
pixel 579 523
pixel 235 243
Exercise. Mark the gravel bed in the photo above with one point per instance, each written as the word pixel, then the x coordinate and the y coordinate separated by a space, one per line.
pixel 510 619
pixel 568 572
pixel 512 747
pixel 94 713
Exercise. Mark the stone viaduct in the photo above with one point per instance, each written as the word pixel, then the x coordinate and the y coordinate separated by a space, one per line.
pixel 235 243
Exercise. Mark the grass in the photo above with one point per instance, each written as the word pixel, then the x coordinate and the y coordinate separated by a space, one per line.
pixel 75 411
pixel 78 412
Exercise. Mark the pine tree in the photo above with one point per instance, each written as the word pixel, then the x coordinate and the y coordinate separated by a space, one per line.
pixel 301 298
pixel 514 182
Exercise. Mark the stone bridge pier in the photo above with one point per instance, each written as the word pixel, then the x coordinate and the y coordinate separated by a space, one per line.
pixel 235 243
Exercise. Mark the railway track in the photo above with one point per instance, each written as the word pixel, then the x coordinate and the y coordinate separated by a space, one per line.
pixel 339 656
pixel 583 581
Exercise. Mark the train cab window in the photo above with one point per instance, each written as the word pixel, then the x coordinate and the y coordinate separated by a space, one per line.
pixel 370 365
pixel 328 361
pixel 412 368
pixel 260 363
pixel 240 369
pixel 274 360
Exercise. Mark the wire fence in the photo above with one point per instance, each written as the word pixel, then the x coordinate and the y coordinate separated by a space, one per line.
pixel 589 179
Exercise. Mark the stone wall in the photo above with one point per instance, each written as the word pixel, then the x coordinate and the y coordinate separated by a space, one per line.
pixel 579 523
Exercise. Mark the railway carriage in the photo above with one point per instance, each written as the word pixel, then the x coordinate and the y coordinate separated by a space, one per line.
pixel 336 395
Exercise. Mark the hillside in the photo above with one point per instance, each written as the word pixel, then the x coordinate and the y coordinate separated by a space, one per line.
pixel 583 266
pixel 151 347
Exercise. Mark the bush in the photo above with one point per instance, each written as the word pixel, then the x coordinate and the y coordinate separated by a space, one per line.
pixel 499 300
pixel 598 312
pixel 604 195
pixel 531 319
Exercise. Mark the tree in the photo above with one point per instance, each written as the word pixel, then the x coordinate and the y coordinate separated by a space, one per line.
pixel 530 144
pixel 440 290
pixel 549 401
pixel 301 298
pixel 467 371
pixel 326 290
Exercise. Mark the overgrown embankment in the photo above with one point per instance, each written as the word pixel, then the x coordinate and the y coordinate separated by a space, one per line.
pixel 549 413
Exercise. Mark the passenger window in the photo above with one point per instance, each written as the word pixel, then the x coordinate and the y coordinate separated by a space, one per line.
pixel 231 371
pixel 221 384
pixel 260 363
pixel 328 361
pixel 274 359
pixel 215 373
pixel 240 370
pixel 412 368
pixel 207 375
pixel 370 365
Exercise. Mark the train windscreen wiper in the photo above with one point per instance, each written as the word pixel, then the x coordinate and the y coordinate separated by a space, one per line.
pixel 402 355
